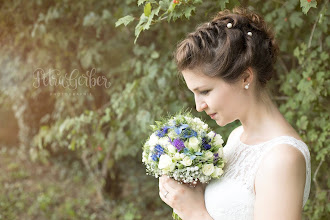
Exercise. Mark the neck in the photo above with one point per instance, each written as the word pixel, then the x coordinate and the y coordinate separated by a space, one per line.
pixel 260 120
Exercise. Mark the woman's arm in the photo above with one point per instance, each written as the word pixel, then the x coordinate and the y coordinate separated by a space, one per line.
pixel 279 184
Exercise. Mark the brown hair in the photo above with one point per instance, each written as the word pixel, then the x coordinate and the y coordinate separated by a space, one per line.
pixel 227 52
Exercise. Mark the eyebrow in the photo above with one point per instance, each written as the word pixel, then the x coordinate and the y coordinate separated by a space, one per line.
pixel 197 88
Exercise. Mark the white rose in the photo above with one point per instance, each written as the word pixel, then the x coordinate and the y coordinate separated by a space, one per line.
pixel 165 161
pixel 217 172
pixel 208 155
pixel 193 144
pixel 197 120
pixel 172 134
pixel 218 139
pixel 169 168
pixel 205 126
pixel 220 152
pixel 182 155
pixel 153 140
pixel 186 161
pixel 211 134
pixel 208 169
pixel 177 156
pixel 171 149
pixel 163 141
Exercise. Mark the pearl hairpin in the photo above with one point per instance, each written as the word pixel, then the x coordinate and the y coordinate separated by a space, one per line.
pixel 249 33
pixel 229 25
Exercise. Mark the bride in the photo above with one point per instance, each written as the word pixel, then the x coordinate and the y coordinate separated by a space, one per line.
pixel 227 63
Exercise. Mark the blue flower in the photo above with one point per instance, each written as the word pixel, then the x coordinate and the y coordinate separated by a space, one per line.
pixel 163 131
pixel 154 157
pixel 179 129
pixel 159 150
pixel 205 143
pixel 188 133
pixel 206 146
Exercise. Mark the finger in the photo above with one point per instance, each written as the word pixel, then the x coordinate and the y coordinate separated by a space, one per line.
pixel 171 184
pixel 165 197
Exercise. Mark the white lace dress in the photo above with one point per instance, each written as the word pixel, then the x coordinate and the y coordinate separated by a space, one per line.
pixel 233 196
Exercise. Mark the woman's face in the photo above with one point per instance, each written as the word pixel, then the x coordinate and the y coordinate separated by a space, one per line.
pixel 224 102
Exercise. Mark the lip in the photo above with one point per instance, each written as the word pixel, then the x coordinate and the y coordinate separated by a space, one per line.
pixel 212 115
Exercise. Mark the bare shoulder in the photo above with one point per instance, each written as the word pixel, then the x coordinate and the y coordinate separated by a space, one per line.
pixel 282 161
pixel 280 183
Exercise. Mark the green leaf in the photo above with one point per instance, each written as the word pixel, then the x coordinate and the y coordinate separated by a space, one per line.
pixel 302 122
pixel 223 4
pixel 125 20
pixel 305 5
pixel 147 9
pixel 296 20
pixel 154 55
pixel 72 144
pixel 140 2
pixel 139 27
pixel 188 10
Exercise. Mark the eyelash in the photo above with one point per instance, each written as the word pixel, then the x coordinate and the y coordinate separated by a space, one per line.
pixel 205 92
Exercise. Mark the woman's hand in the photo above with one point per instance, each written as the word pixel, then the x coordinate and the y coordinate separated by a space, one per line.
pixel 187 201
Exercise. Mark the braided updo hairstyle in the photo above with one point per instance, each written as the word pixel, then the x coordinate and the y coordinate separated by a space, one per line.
pixel 227 51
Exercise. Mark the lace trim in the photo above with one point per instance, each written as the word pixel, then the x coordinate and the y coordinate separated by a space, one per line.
pixel 243 160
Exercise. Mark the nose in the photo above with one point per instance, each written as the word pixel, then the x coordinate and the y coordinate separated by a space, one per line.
pixel 200 105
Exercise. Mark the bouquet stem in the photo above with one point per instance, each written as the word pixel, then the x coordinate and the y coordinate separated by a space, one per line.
pixel 175 216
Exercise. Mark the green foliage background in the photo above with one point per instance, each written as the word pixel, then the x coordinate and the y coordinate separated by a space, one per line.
pixel 131 43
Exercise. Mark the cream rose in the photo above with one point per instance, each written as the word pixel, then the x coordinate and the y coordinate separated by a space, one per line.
pixel 165 162
pixel 177 156
pixel 171 149
pixel 218 139
pixel 193 144
pixel 186 161
pixel 211 134
pixel 208 155
pixel 153 140
pixel 208 169
pixel 217 172
pixel 220 152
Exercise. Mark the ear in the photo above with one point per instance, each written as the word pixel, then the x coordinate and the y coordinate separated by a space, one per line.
pixel 248 76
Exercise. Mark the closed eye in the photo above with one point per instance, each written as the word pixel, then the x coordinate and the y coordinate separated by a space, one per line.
pixel 205 92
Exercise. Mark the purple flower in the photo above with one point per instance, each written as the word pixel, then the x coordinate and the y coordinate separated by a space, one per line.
pixel 178 144
pixel 216 157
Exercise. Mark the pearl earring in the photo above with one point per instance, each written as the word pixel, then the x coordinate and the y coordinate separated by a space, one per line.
pixel 247 86
pixel 229 25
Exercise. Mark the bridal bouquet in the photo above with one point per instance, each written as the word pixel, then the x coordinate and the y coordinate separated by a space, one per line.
pixel 184 148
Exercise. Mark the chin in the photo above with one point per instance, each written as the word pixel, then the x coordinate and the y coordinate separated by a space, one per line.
pixel 222 123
